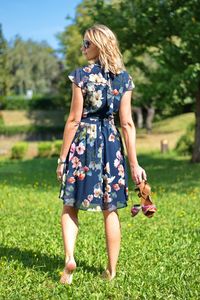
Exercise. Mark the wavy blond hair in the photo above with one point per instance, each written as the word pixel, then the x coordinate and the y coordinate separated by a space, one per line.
pixel 110 56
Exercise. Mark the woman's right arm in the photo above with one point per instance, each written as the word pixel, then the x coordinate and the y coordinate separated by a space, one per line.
pixel 73 120
pixel 129 134
pixel 71 125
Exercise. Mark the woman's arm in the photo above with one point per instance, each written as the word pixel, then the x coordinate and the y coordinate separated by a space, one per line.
pixel 129 134
pixel 73 120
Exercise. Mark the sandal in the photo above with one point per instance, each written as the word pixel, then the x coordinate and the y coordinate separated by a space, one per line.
pixel 135 209
pixel 148 208
pixel 67 274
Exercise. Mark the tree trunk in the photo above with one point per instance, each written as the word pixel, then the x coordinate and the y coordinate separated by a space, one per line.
pixel 149 119
pixel 196 150
pixel 138 112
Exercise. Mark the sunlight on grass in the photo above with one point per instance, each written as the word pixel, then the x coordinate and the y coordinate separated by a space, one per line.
pixel 158 258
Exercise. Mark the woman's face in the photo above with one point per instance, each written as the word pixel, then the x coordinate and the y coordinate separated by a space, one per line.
pixel 89 50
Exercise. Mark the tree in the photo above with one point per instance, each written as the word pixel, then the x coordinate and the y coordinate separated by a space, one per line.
pixel 4 72
pixel 33 66
pixel 169 31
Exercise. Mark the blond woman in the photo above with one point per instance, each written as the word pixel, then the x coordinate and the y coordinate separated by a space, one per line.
pixel 92 166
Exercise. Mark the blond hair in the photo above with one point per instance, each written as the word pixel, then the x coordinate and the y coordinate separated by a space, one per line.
pixel 110 56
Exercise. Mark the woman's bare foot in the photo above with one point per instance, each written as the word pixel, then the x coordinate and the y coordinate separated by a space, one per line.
pixel 107 275
pixel 67 274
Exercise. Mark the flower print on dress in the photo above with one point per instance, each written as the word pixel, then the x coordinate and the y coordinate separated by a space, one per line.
pixel 95 172
pixel 76 162
pixel 72 151
pixel 71 179
pixel 94 166
pixel 107 197
pixel 116 186
pixel 121 170
pixel 97 79
pixel 111 137
pixel 97 190
pixel 96 98
pixel 86 202
pixel 107 168
pixel 80 148
pixel 87 69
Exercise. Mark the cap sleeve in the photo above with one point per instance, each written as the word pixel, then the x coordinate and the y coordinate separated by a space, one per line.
pixel 128 82
pixel 76 77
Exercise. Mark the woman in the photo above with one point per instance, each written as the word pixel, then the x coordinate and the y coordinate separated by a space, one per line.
pixel 92 164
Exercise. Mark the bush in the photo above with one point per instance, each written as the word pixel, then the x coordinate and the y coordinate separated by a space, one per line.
pixel 44 149
pixel 38 102
pixel 1 120
pixel 57 147
pixel 19 150
pixel 37 129
pixel 185 144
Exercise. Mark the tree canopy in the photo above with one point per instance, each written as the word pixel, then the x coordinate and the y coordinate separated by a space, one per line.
pixel 160 43
pixel 27 65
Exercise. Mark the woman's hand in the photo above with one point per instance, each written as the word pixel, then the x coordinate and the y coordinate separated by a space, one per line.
pixel 59 171
pixel 138 174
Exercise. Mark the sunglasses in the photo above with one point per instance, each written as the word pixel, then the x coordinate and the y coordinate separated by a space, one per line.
pixel 86 44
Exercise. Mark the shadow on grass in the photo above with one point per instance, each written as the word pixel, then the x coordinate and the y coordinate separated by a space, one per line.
pixel 168 171
pixel 42 262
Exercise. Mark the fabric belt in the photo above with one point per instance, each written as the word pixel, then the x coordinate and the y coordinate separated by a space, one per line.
pixel 98 119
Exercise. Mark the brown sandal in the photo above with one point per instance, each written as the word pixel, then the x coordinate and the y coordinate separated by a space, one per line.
pixel 148 208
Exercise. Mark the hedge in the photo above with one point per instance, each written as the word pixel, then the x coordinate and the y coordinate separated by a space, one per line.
pixel 43 103
pixel 12 130
pixel 18 151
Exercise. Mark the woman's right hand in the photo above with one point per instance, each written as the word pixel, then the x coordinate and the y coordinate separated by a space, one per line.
pixel 138 174
pixel 59 171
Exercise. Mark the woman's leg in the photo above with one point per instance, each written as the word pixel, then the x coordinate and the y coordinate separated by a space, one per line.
pixel 113 239
pixel 69 222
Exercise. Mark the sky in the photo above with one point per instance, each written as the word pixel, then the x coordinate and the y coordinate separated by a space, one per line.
pixel 36 19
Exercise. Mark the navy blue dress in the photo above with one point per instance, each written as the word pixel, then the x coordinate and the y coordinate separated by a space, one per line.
pixel 95 172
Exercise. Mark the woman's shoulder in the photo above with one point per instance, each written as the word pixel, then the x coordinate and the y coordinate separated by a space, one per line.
pixel 126 80
pixel 81 75
pixel 86 69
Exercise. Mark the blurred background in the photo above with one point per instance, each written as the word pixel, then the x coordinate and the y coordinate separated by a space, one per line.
pixel 40 44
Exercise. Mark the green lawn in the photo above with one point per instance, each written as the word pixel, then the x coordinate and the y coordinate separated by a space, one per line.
pixel 159 256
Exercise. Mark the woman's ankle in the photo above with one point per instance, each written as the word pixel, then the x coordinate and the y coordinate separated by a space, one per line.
pixel 69 258
pixel 111 272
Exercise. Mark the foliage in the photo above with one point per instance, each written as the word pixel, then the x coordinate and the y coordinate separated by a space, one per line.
pixel 57 147
pixel 169 31
pixel 4 71
pixel 1 119
pixel 155 38
pixel 47 149
pixel 158 257
pixel 18 151
pixel 29 65
pixel 185 144
pixel 45 102
pixel 44 149
pixel 30 129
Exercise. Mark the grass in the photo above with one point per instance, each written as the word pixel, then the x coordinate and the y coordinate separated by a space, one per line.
pixel 37 117
pixel 174 124
pixel 170 129
pixel 158 258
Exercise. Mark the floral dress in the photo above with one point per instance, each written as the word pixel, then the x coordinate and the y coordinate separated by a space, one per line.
pixel 95 171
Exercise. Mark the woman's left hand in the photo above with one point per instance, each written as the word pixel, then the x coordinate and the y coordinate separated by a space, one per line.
pixel 138 174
